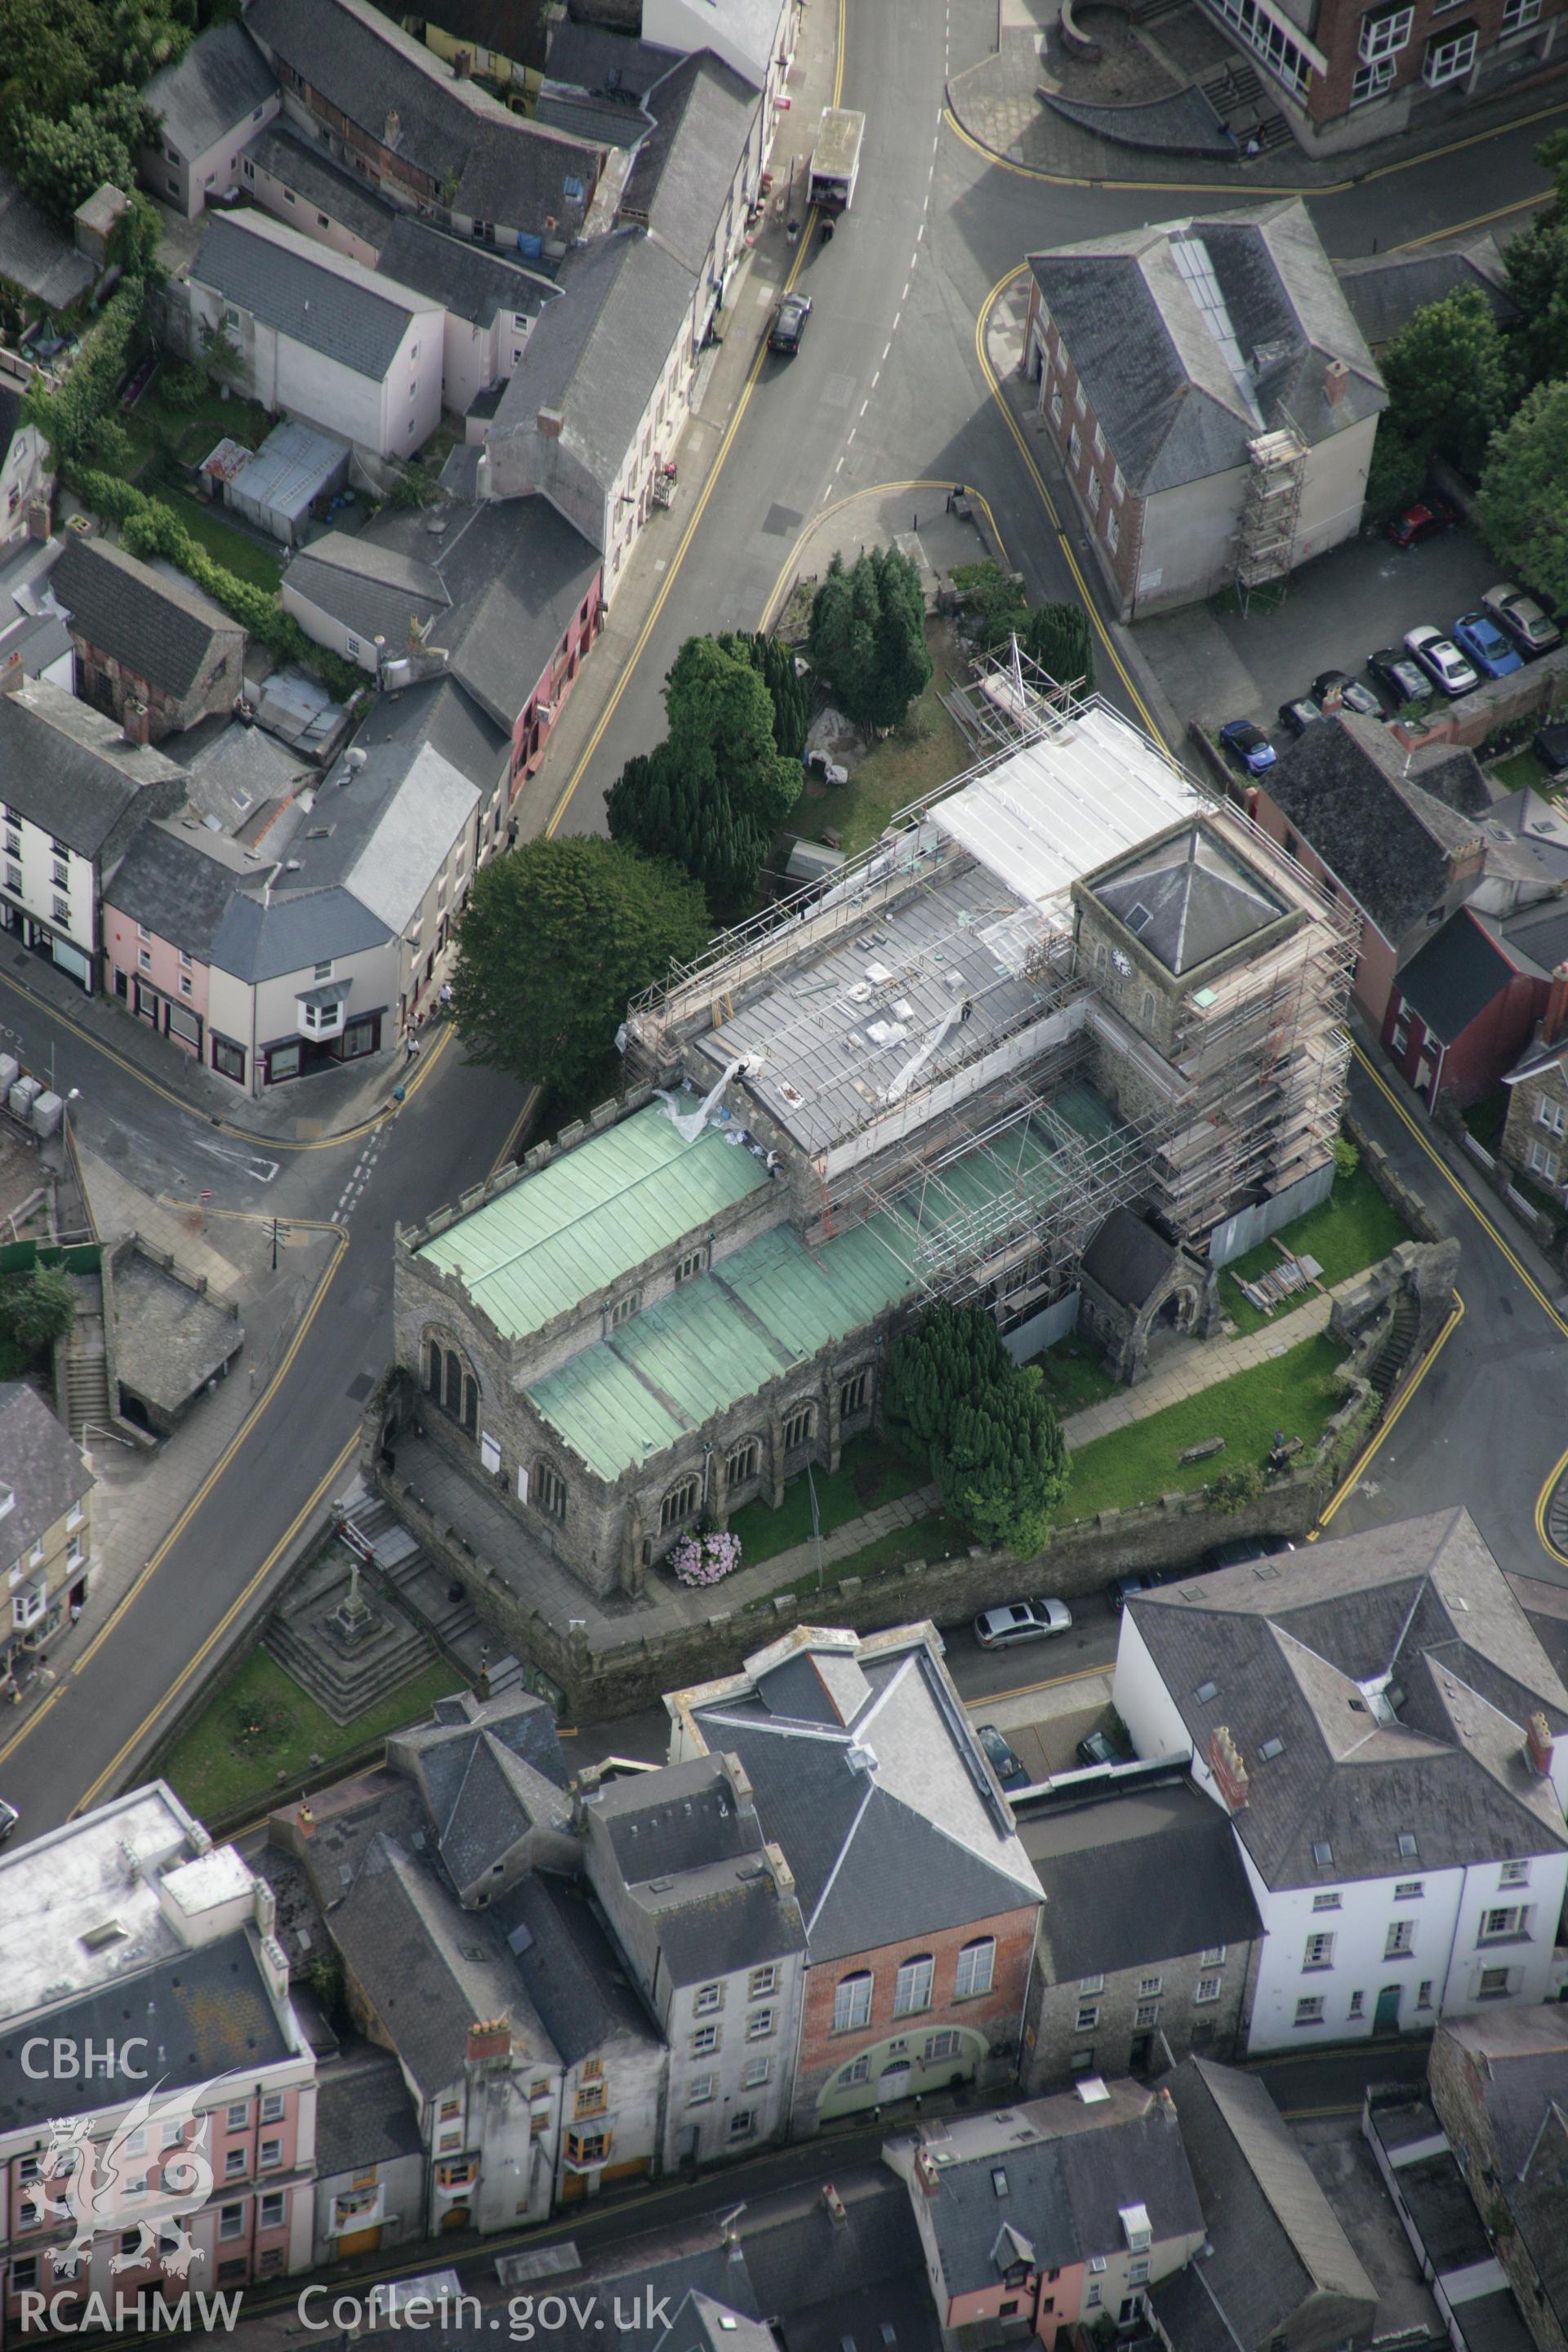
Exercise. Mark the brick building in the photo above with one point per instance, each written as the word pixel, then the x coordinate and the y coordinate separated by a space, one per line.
pixel 46 1530
pixel 149 651
pixel 1534 1133
pixel 1210 395
pixel 917 1900
pixel 1149 1934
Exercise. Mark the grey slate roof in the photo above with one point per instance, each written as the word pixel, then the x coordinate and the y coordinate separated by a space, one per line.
pixel 1520 2061
pixel 170 883
pixel 586 57
pixel 438 712
pixel 1128 1257
pixel 1188 899
pixel 1385 835
pixel 372 594
pixel 36 255
pixel 1275 2239
pixel 598 354
pixel 10 417
pixel 220 81
pixel 829 2281
pixel 916 1841
pixel 300 164
pixel 503 169
pixel 382 831
pixel 1385 289
pixel 1135 1878
pixel 489 1773
pixel 1459 971
pixel 676 1820
pixel 427 1967
pixel 71 770
pixel 345 319
pixel 40 1463
pixel 469 281
pixel 212 2012
pixel 1287 1646
pixel 571 1969
pixel 682 171
pixel 363 2115
pixel 159 629
pixel 1160 384
pixel 255 942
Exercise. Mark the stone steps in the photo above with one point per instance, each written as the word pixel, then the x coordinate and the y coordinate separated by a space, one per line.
pixel 346 1687
pixel 1394 1354
pixel 373 1529
pixel 86 1388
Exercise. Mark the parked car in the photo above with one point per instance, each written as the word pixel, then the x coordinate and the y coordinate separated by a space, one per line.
pixel 1404 679
pixel 1331 684
pixel 1005 1762
pixel 1247 746
pixel 9 1817
pixel 1422 521
pixel 1551 748
pixel 1100 1748
pixel 1520 618
pixel 1441 659
pixel 789 323
pixel 1144 1579
pixel 1021 1621
pixel 1298 716
pixel 1477 635
pixel 1242 1549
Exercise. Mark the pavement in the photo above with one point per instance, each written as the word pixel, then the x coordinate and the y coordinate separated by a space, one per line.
pixel 996 102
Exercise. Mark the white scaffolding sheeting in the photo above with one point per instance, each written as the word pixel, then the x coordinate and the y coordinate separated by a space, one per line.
pixel 1081 791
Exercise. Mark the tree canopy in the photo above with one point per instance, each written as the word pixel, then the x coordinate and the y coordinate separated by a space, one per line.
pixel 37 1308
pixel 996 1448
pixel 1060 638
pixel 713 795
pixel 1524 493
pixel 556 939
pixel 868 639
pixel 71 69
pixel 1451 380
pixel 791 696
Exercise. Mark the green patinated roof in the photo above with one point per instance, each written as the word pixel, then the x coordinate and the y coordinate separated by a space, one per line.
pixel 723 1337
pixel 579 1223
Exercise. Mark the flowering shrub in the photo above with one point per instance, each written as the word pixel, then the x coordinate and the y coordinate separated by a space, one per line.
pixel 705 1560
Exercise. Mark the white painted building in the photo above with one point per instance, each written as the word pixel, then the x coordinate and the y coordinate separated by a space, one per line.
pixel 25 472
pixel 1387 1735
pixel 343 347
pixel 207 109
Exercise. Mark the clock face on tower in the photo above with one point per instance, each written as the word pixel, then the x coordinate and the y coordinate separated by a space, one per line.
pixel 1123 962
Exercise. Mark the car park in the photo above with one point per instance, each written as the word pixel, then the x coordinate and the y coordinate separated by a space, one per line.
pixel 1004 1761
pixel 1441 659
pixel 1405 680
pixel 1247 746
pixel 1021 1621
pixel 1521 620
pixel 789 323
pixel 1098 1748
pixel 1337 689
pixel 1298 716
pixel 1422 521
pixel 1478 637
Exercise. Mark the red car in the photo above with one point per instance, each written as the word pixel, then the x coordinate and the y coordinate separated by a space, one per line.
pixel 1421 521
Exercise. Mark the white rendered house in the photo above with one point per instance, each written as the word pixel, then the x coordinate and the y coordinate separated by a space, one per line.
pixel 1387 1735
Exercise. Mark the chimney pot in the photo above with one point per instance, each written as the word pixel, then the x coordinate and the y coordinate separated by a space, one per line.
pixel 489 2037
pixel 1556 1019
pixel 1335 375
pixel 1229 1771
pixel 307 1820
pixel 835 2204
pixel 1539 1745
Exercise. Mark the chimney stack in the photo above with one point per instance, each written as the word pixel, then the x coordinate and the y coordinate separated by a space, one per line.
pixel 11 675
pixel 1554 1021
pixel 1334 376
pixel 548 424
pixel 1225 1764
pixel 136 721
pixel 926 2173
pixel 835 2204
pixel 489 2038
pixel 1539 1744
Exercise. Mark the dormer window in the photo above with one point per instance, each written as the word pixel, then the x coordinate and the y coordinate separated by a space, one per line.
pixel 1137 2227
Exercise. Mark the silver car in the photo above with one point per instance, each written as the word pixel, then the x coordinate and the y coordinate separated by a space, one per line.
pixel 1520 618
pixel 1441 659
pixel 1021 1621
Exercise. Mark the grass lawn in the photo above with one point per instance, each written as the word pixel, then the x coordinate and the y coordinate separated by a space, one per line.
pixel 1137 1464
pixel 934 1538
pixel 225 545
pixel 1075 1376
pixel 1487 1119
pixel 924 752
pixel 870 1473
pixel 192 433
pixel 261 1722
pixel 1353 1228
pixel 1520 769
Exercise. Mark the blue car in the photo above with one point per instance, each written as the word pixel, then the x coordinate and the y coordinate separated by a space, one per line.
pixel 1486 646
pixel 1247 746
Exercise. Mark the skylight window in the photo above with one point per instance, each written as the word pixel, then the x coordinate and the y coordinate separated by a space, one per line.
pixel 1322 1853
pixel 1196 269
pixel 999 2181
pixel 1206 1691
pixel 1408 1848
pixel 1270 1750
